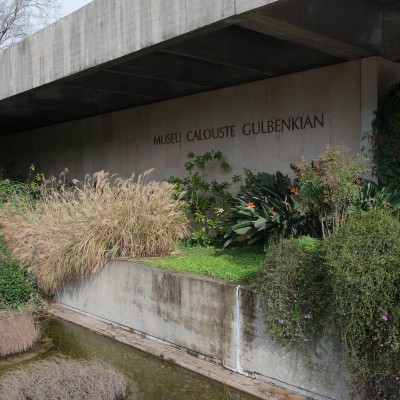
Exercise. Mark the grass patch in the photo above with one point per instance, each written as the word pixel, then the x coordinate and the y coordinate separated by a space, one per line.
pixel 233 264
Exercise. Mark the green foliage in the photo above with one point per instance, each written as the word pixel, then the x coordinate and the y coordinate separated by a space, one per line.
pixel 14 189
pixel 206 200
pixel 295 290
pixel 17 287
pixel 263 211
pixel 328 186
pixel 364 259
pixel 373 197
pixel 385 139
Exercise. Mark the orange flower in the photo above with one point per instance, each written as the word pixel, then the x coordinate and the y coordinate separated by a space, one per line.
pixel 250 205
pixel 294 190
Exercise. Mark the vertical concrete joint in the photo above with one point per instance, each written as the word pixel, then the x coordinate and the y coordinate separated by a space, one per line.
pixel 238 330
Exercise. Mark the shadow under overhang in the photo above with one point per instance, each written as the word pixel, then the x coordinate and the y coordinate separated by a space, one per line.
pixel 289 37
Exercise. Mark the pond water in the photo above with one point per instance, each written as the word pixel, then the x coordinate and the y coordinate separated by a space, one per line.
pixel 150 378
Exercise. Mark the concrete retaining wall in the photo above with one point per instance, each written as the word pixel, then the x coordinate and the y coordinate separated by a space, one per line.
pixel 208 318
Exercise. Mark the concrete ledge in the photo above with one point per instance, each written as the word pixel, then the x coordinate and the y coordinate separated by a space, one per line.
pixel 211 319
pixel 245 384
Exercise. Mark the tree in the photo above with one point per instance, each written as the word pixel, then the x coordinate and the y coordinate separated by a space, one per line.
pixel 20 18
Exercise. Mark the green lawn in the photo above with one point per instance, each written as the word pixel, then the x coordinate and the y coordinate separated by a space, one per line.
pixel 232 264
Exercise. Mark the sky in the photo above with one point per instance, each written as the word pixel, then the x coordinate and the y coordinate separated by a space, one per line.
pixel 70 6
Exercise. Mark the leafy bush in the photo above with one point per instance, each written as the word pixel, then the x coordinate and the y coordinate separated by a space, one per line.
pixel 264 211
pixel 72 231
pixel 206 200
pixel 295 290
pixel 364 257
pixel 16 286
pixel 12 189
pixel 385 138
pixel 328 186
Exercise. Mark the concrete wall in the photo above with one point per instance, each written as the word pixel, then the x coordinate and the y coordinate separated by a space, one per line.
pixel 287 112
pixel 299 114
pixel 208 318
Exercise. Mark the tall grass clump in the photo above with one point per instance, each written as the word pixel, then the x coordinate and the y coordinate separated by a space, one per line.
pixel 74 229
pixel 64 379
pixel 19 332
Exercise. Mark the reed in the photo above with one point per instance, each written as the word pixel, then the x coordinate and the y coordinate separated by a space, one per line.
pixel 19 332
pixel 64 379
pixel 73 230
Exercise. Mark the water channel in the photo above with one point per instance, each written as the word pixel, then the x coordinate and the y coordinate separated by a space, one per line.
pixel 150 378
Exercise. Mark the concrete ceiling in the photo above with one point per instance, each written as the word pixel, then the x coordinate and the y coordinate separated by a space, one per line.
pixel 281 37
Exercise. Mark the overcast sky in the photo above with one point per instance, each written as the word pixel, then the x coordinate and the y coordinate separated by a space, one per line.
pixel 70 6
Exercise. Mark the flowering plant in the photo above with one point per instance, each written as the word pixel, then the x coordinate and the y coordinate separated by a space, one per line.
pixel 264 211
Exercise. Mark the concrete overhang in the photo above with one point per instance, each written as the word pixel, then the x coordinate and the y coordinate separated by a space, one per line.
pixel 116 54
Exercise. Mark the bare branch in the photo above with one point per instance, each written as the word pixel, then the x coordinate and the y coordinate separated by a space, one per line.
pixel 20 18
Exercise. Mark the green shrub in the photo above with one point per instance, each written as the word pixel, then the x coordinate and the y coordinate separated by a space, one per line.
pixel 14 189
pixel 385 138
pixel 328 186
pixel 16 286
pixel 73 231
pixel 263 211
pixel 295 290
pixel 206 199
pixel 364 258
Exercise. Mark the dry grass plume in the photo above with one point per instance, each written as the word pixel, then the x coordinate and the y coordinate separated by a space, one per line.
pixel 64 379
pixel 18 332
pixel 72 231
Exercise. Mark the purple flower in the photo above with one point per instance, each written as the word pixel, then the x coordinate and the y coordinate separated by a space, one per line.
pixel 375 338
pixel 221 210
pixel 281 321
pixel 384 317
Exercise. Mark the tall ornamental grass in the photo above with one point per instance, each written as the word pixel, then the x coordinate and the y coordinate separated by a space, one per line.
pixel 73 230
pixel 19 332
pixel 64 379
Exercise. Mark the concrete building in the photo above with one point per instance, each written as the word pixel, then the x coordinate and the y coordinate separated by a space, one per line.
pixel 126 85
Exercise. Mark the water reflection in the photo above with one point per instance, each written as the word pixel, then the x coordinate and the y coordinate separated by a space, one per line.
pixel 150 378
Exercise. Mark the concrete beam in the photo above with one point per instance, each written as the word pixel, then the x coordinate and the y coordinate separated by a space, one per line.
pixel 356 22
pixel 246 49
pixel 391 30
pixel 179 68
pixel 294 34
pixel 101 32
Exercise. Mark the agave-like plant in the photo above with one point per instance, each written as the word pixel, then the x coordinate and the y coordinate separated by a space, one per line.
pixel 264 210
pixel 373 197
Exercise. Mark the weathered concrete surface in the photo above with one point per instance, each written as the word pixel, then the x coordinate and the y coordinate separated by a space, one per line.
pixel 179 309
pixel 98 33
pixel 211 319
pixel 113 55
pixel 317 368
pixel 240 382
pixel 124 142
